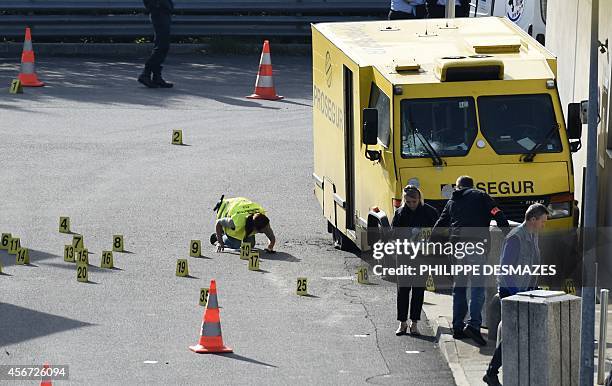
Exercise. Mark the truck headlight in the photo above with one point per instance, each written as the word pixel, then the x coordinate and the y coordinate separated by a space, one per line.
pixel 560 209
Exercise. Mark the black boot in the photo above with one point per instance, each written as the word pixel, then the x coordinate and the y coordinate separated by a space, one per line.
pixel 145 78
pixel 491 379
pixel 160 82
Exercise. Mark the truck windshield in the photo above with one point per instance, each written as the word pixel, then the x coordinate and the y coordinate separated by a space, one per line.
pixel 448 124
pixel 517 124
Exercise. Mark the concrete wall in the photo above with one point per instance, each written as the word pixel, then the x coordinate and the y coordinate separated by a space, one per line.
pixel 568 37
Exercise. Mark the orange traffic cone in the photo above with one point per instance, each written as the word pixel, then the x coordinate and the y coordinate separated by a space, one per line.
pixel 46 378
pixel 264 85
pixel 27 76
pixel 211 340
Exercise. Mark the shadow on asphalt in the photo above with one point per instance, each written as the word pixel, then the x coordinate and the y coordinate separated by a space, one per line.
pixel 72 267
pixel 427 338
pixel 245 359
pixel 311 296
pixel 19 324
pixel 279 256
pixel 225 79
pixel 35 256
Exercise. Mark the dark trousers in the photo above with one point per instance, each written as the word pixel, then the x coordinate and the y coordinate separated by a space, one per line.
pixel 420 10
pixel 496 361
pixel 416 303
pixel 439 11
pixel 161 20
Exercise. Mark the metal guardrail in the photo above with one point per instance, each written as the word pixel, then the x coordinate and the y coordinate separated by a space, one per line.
pixel 193 18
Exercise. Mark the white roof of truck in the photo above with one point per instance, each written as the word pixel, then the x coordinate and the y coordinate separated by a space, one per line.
pixel 387 44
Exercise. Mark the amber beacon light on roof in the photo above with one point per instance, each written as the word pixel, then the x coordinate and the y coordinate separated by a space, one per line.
pixel 462 69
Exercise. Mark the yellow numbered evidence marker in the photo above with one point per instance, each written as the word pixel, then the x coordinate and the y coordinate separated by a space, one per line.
pixel 77 242
pixel 82 272
pixel 107 260
pixel 5 240
pixel 362 275
pixel 203 296
pixel 182 269
pixel 245 251
pixel 302 286
pixel 177 137
pixel 254 261
pixel 69 253
pixel 430 285
pixel 570 287
pixel 82 256
pixel 64 225
pixel 14 245
pixel 23 256
pixel 16 87
pixel 195 248
pixel 118 243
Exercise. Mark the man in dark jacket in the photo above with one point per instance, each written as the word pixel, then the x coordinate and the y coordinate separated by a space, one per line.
pixel 467 215
pixel 161 16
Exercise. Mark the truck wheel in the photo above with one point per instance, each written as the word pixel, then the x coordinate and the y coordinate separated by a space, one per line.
pixel 342 242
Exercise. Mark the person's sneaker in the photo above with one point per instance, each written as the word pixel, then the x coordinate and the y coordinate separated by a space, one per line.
pixel 414 329
pixel 491 380
pixel 475 335
pixel 401 330
pixel 161 83
pixel 146 80
pixel 213 238
pixel 459 334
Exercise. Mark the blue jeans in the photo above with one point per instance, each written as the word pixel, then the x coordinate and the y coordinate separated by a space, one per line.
pixel 475 283
pixel 233 243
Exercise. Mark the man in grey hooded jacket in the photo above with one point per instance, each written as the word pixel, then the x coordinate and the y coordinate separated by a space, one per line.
pixel 521 248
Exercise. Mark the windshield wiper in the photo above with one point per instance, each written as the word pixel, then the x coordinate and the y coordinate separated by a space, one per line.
pixel 437 161
pixel 528 157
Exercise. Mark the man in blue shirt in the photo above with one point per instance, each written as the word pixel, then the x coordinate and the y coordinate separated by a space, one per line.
pixel 520 248
pixel 407 9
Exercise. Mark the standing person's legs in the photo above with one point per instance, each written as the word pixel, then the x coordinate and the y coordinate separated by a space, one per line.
pixel 416 306
pixel 416 303
pixel 460 306
pixel 491 376
pixel 436 11
pixel 161 21
pixel 403 298
pixel 477 298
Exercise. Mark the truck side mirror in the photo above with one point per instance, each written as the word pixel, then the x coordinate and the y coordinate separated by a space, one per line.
pixel 370 126
pixel 574 123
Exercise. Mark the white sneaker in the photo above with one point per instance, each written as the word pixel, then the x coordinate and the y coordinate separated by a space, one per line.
pixel 401 330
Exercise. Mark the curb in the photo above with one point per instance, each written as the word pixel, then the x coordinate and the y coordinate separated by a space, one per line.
pixel 144 49
pixel 447 345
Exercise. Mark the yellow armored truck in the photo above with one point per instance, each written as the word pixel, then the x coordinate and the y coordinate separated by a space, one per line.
pixel 424 101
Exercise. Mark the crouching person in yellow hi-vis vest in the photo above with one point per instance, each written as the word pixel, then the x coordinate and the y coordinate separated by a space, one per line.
pixel 238 220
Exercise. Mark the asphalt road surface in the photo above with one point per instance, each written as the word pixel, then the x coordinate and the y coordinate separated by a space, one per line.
pixel 94 145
